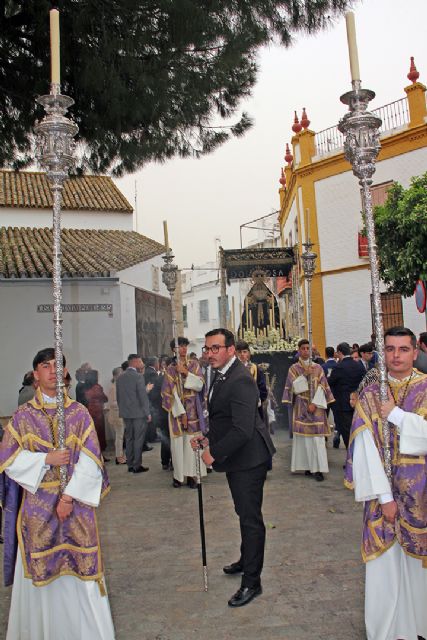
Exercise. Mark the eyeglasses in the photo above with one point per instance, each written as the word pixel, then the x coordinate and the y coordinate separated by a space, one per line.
pixel 214 348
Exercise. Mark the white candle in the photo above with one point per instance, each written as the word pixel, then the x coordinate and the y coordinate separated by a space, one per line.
pixel 352 46
pixel 54 46
pixel 165 233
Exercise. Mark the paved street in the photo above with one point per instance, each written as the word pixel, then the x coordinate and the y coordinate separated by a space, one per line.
pixel 313 575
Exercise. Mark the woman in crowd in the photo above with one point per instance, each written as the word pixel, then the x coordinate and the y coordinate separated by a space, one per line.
pixel 115 422
pixel 95 399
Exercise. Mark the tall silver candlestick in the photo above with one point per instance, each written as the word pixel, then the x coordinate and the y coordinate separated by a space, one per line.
pixel 361 148
pixel 170 277
pixel 308 259
pixel 56 147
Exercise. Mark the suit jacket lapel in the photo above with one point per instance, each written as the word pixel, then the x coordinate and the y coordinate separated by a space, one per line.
pixel 220 383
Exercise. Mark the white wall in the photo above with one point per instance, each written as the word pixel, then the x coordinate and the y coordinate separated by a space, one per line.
pixel 339 207
pixel 93 337
pixel 40 218
pixel 348 312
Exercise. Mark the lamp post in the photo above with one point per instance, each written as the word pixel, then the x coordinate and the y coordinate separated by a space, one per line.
pixel 361 147
pixel 55 154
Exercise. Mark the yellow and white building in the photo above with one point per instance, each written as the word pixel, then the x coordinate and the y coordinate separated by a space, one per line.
pixel 319 193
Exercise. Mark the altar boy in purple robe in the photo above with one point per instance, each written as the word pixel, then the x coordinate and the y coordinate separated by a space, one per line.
pixel 58 586
pixel 394 539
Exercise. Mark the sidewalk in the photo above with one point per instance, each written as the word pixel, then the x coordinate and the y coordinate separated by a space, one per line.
pixel 313 574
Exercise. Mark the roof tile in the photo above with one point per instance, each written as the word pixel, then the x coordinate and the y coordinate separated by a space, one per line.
pixel 31 190
pixel 27 252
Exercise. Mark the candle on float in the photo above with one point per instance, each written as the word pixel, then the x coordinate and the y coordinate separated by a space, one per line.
pixel 233 315
pixel 54 47
pixel 352 46
pixel 251 323
pixel 280 321
pixel 165 233
pixel 247 312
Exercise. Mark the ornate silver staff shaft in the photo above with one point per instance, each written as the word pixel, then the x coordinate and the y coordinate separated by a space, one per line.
pixel 169 277
pixel 361 147
pixel 309 264
pixel 56 139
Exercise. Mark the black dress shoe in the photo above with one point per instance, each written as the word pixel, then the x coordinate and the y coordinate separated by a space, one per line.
pixel 176 483
pixel 319 476
pixel 140 469
pixel 231 569
pixel 244 595
pixel 308 473
pixel 130 469
pixel 336 443
pixel 147 448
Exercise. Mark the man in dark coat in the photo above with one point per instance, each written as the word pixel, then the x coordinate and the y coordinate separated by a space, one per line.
pixel 239 444
pixel 134 408
pixel 345 379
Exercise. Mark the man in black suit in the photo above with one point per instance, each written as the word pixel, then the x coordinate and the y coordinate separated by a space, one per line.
pixel 134 408
pixel 345 379
pixel 239 444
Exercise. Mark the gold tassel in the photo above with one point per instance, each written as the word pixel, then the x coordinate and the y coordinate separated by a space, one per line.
pixel 101 586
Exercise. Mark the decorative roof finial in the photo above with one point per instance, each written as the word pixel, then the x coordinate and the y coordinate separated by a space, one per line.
pixel 305 122
pixel 282 178
pixel 288 155
pixel 296 127
pixel 413 74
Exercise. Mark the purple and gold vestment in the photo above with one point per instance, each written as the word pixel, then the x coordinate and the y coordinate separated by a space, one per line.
pixel 49 548
pixel 409 484
pixel 191 400
pixel 305 423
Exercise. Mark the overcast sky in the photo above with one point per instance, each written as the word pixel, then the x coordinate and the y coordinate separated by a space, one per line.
pixel 209 198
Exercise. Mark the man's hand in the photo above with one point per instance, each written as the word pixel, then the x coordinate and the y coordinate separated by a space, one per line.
pixel 58 457
pixel 182 369
pixel 149 386
pixel 199 442
pixel 389 510
pixel 64 507
pixel 311 369
pixel 184 420
pixel 207 458
pixel 311 408
pixel 149 418
pixel 388 406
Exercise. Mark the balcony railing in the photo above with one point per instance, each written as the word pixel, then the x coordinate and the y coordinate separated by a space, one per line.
pixel 393 115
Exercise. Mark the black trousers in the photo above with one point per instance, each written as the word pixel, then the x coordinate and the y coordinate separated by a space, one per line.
pixel 247 491
pixel 343 422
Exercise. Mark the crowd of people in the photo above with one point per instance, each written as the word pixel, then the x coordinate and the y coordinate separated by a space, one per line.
pixel 215 407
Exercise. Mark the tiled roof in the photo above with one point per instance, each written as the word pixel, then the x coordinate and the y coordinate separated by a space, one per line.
pixel 27 252
pixel 31 190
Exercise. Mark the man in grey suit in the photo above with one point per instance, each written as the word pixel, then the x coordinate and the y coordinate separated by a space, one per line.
pixel 134 408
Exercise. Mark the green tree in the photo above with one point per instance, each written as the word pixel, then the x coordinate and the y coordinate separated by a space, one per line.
pixel 401 229
pixel 151 79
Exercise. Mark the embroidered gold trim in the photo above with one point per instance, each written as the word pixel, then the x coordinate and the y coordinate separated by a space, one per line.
pixel 65 546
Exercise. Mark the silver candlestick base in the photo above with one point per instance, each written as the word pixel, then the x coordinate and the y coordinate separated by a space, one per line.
pixel 55 153
pixel 361 148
